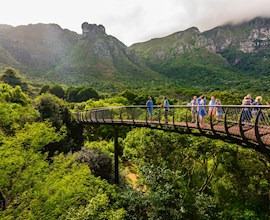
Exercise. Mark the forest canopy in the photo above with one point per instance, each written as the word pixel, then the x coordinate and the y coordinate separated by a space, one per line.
pixel 52 167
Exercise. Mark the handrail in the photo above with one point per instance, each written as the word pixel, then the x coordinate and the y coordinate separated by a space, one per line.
pixel 180 106
pixel 237 123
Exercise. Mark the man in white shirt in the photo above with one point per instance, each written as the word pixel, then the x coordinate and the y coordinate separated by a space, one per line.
pixel 166 109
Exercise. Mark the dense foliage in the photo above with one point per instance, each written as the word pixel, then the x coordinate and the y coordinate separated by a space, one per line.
pixel 53 168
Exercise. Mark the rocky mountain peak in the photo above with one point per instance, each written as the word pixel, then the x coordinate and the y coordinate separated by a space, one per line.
pixel 260 21
pixel 92 30
pixel 194 30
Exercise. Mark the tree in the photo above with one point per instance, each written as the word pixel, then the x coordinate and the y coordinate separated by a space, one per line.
pixel 98 208
pixel 44 89
pixel 130 96
pixel 15 109
pixel 12 77
pixel 21 164
pixel 86 94
pixel 58 91
pixel 81 94
pixel 213 179
pixel 99 162
pixel 15 95
pixel 141 99
pixel 227 98
pixel 71 94
pixel 52 108
pixel 62 189
pixel 56 110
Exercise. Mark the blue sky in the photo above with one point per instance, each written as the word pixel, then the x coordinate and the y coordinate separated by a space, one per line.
pixel 133 21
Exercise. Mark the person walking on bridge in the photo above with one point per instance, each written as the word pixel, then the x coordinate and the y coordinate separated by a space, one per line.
pixel 202 109
pixel 166 108
pixel 193 103
pixel 212 109
pixel 246 114
pixel 219 110
pixel 149 105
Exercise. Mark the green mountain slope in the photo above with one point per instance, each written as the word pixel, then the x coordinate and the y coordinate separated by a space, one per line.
pixel 246 46
pixel 98 58
pixel 6 59
pixel 189 58
pixel 226 57
pixel 47 52
pixel 37 48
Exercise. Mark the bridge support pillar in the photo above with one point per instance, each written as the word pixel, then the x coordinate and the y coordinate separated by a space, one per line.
pixel 116 154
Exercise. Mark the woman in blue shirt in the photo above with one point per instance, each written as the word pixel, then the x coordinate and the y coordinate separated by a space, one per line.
pixel 202 109
pixel 149 105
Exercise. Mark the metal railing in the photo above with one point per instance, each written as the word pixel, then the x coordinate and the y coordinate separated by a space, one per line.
pixel 249 124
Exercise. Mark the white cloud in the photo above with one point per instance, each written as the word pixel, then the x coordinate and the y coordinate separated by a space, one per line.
pixel 133 21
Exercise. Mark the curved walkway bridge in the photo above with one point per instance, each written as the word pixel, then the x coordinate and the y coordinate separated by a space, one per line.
pixel 245 125
pixel 248 126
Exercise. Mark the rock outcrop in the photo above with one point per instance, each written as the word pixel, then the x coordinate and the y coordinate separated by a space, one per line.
pixel 92 29
pixel 248 37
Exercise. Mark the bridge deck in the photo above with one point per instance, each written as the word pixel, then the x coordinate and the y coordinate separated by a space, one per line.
pixel 254 132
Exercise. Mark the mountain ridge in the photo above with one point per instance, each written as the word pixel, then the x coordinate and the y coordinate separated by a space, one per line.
pixel 52 53
pixel 234 50
pixel 184 58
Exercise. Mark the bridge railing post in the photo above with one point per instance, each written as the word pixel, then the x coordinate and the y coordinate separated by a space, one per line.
pixel 146 115
pixel 159 115
pixel 226 123
pixel 245 122
pixel 256 127
pixel 76 116
pixel 95 112
pixel 173 116
pixel 92 115
pixel 79 116
pixel 87 115
pixel 121 116
pixel 187 119
pixel 212 123
pixel 102 115
pixel 262 127
pixel 83 116
pixel 133 115
pixel 112 115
